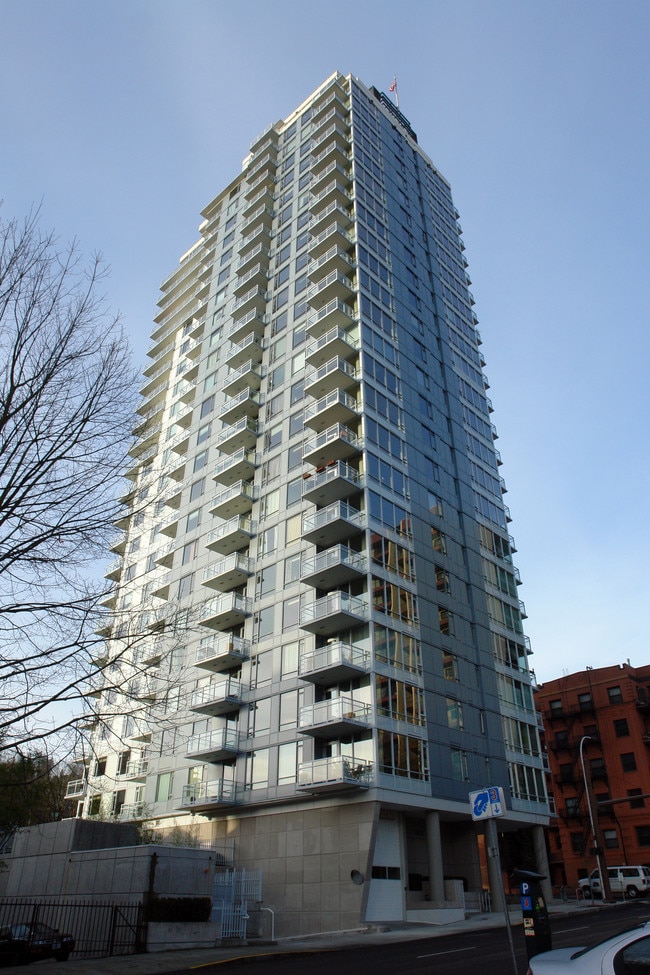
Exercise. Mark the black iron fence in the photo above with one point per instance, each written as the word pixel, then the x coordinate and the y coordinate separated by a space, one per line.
pixel 98 928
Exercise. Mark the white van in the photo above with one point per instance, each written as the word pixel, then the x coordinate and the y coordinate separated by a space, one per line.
pixel 630 881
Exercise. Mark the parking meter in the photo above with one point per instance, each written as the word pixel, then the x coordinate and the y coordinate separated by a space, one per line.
pixel 537 929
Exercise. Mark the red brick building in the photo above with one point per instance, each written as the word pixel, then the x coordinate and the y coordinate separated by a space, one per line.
pixel 610 708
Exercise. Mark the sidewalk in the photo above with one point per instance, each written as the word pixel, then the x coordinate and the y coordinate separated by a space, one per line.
pixel 163 962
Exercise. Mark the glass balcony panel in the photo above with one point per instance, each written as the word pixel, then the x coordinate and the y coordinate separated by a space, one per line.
pixel 229 572
pixel 334 213
pixel 335 342
pixel 232 536
pixel 333 236
pixel 334 315
pixel 334 259
pixel 254 321
pixel 213 746
pixel 335 612
pixel 333 192
pixel 334 718
pixel 335 374
pixel 241 435
pixel 222 697
pixel 333 663
pixel 251 348
pixel 235 500
pixel 336 407
pixel 335 287
pixel 334 774
pixel 332 524
pixel 334 482
pixel 226 611
pixel 222 653
pixel 249 375
pixel 333 567
pixel 240 466
pixel 338 442
pixel 254 299
pixel 208 795
pixel 245 403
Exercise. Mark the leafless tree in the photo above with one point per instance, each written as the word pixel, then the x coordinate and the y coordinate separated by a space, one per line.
pixel 67 400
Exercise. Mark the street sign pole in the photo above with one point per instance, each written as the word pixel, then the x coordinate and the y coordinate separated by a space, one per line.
pixel 488 804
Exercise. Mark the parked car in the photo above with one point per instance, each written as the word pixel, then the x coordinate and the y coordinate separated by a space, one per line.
pixel 29 941
pixel 619 955
pixel 631 881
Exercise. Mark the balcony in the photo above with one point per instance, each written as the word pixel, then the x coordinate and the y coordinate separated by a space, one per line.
pixel 170 525
pixel 333 152
pixel 251 348
pixel 335 612
pixel 114 570
pixel 333 567
pixel 226 611
pixel 335 523
pixel 238 499
pixel 337 718
pixel 334 774
pixel 334 259
pixel 335 374
pixel 132 811
pixel 333 483
pixel 233 536
pixel 240 436
pixel 208 795
pixel 261 235
pixel 136 771
pixel 335 114
pixel 260 217
pixel 338 442
pixel 257 275
pixel 254 321
pixel 335 342
pixel 229 572
pixel 240 466
pixel 246 403
pixel 213 746
pixel 334 236
pixel 263 196
pixel 254 299
pixel 334 315
pixel 332 214
pixel 75 788
pixel 336 407
pixel 333 663
pixel 335 134
pixel 222 697
pixel 325 176
pixel 258 255
pixel 249 375
pixel 333 192
pixel 222 653
pixel 334 287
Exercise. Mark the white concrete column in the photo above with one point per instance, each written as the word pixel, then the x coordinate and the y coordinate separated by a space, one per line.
pixel 434 848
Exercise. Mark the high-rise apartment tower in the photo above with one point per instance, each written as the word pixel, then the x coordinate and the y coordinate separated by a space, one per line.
pixel 316 541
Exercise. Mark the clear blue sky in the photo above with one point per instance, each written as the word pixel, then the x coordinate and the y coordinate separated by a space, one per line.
pixel 125 117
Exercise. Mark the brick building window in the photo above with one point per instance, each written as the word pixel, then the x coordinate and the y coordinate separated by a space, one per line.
pixel 628 762
pixel 621 728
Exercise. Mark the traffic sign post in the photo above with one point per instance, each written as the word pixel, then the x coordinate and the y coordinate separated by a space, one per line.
pixel 488 804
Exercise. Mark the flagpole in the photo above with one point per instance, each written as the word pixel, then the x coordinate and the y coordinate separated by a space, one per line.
pixel 393 87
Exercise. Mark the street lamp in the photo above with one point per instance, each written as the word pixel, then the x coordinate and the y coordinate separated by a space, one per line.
pixel 604 877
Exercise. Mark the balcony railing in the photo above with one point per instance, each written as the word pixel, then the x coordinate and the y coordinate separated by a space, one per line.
pixel 333 663
pixel 207 794
pixel 213 746
pixel 334 774
pixel 335 612
pixel 335 717
pixel 222 653
pixel 217 698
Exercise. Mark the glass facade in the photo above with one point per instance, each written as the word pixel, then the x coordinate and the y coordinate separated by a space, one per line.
pixel 314 536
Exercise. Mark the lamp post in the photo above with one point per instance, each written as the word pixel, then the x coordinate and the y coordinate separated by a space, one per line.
pixel 595 826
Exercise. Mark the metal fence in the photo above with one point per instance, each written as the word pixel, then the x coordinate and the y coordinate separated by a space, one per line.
pixel 99 929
